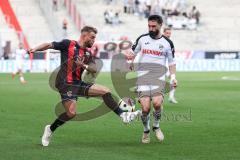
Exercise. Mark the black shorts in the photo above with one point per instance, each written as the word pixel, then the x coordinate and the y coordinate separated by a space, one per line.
pixel 73 91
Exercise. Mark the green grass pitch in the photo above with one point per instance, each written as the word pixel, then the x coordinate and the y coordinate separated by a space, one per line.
pixel 205 124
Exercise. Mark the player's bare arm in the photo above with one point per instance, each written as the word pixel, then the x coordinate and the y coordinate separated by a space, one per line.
pixel 172 70
pixel 91 67
pixel 130 55
pixel 41 47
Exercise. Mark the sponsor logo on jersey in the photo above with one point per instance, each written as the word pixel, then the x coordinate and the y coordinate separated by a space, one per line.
pixel 152 52
pixel 146 43
pixel 69 93
pixel 160 47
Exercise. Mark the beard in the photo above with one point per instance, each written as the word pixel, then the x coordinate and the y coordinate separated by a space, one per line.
pixel 153 34
pixel 88 44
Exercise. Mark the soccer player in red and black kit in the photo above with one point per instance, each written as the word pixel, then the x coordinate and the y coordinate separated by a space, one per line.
pixel 75 58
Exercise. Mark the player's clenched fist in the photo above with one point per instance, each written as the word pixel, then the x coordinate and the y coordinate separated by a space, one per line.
pixel 173 80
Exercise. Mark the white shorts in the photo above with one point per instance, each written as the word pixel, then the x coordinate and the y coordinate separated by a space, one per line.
pixel 150 90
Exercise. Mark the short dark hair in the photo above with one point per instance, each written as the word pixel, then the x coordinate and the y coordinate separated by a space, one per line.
pixel 89 29
pixel 156 18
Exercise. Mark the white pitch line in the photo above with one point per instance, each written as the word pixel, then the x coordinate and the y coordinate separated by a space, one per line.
pixel 231 78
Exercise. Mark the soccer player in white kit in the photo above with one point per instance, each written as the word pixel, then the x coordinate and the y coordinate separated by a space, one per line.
pixel 19 60
pixel 167 33
pixel 153 50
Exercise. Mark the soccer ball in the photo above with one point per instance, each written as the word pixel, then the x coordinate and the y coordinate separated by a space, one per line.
pixel 127 104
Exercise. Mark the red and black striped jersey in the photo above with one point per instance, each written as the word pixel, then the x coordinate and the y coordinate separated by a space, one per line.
pixel 69 72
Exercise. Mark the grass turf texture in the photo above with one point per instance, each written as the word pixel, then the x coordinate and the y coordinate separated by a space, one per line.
pixel 204 125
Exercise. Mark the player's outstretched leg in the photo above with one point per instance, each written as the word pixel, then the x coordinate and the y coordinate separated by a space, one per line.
pixel 46 135
pixel 126 117
pixel 70 107
pixel 98 90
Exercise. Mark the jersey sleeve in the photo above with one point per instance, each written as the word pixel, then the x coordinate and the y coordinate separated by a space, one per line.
pixel 62 45
pixel 136 46
pixel 170 54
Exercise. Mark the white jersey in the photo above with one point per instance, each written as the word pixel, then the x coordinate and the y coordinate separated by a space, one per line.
pixel 151 50
pixel 151 57
pixel 19 56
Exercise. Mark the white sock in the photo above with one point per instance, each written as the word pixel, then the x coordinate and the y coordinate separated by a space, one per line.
pixel 156 118
pixel 172 93
pixel 146 121
pixel 21 78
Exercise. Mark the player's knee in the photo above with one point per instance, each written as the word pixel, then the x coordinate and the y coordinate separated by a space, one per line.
pixel 70 107
pixel 145 110
pixel 105 90
pixel 157 105
pixel 71 114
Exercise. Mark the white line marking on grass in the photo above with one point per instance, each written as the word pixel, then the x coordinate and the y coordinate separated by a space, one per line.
pixel 229 78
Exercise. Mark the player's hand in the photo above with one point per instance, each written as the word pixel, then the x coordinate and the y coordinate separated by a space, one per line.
pixel 130 57
pixel 174 83
pixel 31 50
pixel 173 80
pixel 129 54
pixel 131 67
pixel 80 61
